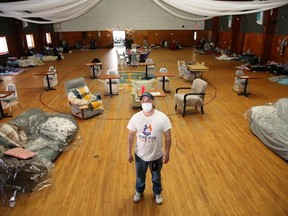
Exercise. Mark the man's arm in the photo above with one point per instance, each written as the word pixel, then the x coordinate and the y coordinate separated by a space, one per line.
pixel 131 135
pixel 167 136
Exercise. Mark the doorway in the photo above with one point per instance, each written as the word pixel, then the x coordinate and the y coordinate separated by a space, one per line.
pixel 119 38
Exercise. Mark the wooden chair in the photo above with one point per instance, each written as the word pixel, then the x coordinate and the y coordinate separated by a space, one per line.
pixel 11 100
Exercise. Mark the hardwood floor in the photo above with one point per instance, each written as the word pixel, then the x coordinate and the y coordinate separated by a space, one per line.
pixel 217 166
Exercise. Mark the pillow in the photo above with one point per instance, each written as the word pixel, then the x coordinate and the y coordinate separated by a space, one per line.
pixel 20 153
pixel 13 134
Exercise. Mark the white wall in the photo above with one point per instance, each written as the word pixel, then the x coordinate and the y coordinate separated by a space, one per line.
pixel 127 14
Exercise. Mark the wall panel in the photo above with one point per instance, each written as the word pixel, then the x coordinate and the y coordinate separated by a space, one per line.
pixel 105 38
pixel 225 40
pixel 275 54
pixel 253 42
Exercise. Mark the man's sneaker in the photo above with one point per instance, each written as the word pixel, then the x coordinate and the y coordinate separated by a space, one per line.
pixel 158 199
pixel 137 197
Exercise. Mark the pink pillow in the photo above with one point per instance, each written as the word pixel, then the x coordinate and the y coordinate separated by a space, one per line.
pixel 20 153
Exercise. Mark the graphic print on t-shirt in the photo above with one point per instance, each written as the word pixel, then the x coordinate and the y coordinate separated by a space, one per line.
pixel 147 130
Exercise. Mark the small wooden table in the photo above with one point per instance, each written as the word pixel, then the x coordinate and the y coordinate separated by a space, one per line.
pixel 197 68
pixel 110 77
pixel 146 68
pixel 3 95
pixel 154 92
pixel 93 64
pixel 163 75
pixel 47 77
pixel 245 93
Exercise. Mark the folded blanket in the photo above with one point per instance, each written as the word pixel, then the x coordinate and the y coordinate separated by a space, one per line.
pixel 82 96
pixel 96 105
pixel 59 129
pixel 79 102
pixel 83 93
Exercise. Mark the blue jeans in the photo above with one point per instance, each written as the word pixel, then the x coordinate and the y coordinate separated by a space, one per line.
pixel 155 169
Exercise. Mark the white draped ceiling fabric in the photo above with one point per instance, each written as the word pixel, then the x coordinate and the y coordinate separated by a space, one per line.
pixel 55 11
pixel 50 11
pixel 206 9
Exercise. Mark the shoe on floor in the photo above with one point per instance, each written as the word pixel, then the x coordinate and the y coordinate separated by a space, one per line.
pixel 137 197
pixel 158 199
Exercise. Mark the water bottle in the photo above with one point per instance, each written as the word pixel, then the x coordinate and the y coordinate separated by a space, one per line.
pixel 143 89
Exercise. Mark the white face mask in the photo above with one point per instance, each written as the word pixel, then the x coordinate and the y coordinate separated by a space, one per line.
pixel 147 107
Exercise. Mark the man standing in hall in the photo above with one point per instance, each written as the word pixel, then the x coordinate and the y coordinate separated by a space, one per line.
pixel 148 126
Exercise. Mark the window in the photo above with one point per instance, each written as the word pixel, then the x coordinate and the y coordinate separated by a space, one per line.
pixel 3 46
pixel 48 38
pixel 30 41
pixel 195 35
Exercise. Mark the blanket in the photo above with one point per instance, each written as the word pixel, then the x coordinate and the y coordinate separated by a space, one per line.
pixel 94 105
pixel 282 79
pixel 82 96
pixel 31 61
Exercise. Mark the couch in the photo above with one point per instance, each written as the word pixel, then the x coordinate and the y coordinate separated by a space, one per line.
pixel 29 145
pixel 269 123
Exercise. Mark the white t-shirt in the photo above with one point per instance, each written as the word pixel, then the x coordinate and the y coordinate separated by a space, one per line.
pixel 149 134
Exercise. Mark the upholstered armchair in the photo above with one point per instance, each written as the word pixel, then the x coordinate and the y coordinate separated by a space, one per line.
pixel 136 87
pixel 193 98
pixel 82 102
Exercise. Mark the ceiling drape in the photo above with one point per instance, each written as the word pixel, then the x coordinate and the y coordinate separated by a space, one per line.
pixel 55 11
